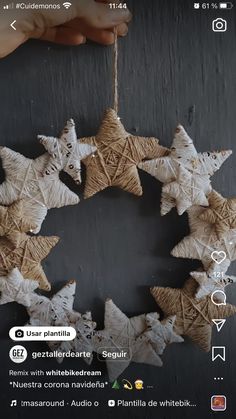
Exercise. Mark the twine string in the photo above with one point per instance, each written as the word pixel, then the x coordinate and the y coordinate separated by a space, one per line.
pixel 115 73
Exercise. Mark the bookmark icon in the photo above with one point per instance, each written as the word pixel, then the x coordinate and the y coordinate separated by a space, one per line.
pixel 218 352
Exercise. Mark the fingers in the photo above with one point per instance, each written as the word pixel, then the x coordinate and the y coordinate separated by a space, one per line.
pixel 122 29
pixel 71 35
pixel 76 32
pixel 96 21
pixel 63 35
pixel 101 36
pixel 92 14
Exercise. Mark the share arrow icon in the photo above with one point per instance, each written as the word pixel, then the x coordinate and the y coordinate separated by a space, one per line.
pixel 219 323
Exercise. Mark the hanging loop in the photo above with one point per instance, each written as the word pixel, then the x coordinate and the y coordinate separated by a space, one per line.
pixel 115 72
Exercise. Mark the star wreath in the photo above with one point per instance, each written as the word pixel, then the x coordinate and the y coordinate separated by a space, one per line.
pixel 112 157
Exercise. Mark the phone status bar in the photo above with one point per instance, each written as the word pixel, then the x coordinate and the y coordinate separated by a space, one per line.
pixel 213 6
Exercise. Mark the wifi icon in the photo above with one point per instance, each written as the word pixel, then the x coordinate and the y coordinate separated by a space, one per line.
pixel 67 4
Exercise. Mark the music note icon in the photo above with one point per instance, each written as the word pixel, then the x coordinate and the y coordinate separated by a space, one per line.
pixel 13 403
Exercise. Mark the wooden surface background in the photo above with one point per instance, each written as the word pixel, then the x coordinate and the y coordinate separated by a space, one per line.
pixel 172 69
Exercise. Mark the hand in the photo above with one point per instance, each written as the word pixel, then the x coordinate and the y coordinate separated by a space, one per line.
pixel 85 19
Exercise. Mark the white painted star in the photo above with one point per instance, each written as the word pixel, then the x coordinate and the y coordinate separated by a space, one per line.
pixel 123 334
pixel 14 287
pixel 183 154
pixel 24 180
pixel 66 152
pixel 188 190
pixel 203 240
pixel 161 333
pixel 58 311
pixel 212 280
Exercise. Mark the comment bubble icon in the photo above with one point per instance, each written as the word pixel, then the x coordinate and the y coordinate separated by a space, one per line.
pixel 218 297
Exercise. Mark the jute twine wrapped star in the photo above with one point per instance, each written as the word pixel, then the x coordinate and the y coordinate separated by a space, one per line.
pixel 13 220
pixel 200 165
pixel 118 154
pixel 124 338
pixel 13 287
pixel 24 180
pixel 66 152
pixel 212 280
pixel 27 256
pixel 58 311
pixel 161 333
pixel 193 316
pixel 203 241
pixel 222 213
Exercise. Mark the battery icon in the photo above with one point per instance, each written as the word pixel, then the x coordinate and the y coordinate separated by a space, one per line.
pixel 225 6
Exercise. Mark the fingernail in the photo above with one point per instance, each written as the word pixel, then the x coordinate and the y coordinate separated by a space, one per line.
pixel 124 32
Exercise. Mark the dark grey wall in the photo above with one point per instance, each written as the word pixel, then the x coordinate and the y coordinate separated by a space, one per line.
pixel 173 68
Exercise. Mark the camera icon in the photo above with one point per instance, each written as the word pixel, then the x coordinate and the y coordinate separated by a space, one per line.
pixel 19 333
pixel 219 25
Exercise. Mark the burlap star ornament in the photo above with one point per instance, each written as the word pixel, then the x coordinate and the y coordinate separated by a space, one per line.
pixel 66 152
pixel 203 241
pixel 58 311
pixel 184 155
pixel 221 213
pixel 124 337
pixel 14 287
pixel 25 180
pixel 118 154
pixel 27 256
pixel 13 220
pixel 193 316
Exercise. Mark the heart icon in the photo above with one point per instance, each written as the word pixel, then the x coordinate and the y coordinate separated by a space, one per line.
pixel 218 256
